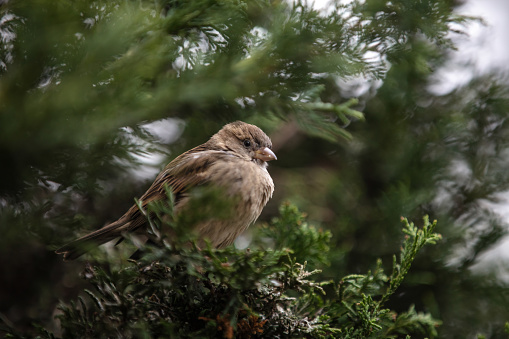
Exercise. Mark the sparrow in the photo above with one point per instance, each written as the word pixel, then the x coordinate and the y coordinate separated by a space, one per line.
pixel 233 160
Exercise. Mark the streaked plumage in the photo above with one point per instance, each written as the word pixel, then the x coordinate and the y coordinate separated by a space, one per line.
pixel 234 160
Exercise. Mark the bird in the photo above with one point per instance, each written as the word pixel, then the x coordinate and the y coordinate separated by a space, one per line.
pixel 234 161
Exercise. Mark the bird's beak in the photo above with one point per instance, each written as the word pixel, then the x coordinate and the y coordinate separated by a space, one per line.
pixel 265 154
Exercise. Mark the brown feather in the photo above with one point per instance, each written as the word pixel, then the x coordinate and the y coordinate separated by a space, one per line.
pixel 224 161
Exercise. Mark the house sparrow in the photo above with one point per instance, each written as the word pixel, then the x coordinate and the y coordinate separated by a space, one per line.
pixel 233 160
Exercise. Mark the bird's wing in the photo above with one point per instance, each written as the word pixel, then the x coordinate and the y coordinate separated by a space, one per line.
pixel 185 172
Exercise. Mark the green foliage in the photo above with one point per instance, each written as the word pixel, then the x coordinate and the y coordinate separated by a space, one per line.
pixel 230 293
pixel 360 315
pixel 290 230
pixel 80 80
pixel 416 239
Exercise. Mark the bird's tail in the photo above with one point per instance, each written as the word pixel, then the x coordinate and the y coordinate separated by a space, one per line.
pixel 80 246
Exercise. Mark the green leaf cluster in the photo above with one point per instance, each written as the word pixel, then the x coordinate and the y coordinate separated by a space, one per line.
pixel 252 293
pixel 348 96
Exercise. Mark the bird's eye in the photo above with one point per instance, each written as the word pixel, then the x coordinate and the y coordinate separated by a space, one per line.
pixel 247 143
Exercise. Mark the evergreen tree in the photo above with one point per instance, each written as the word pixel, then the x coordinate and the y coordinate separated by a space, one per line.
pixel 87 89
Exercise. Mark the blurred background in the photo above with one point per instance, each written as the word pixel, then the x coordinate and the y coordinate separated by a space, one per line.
pixel 97 96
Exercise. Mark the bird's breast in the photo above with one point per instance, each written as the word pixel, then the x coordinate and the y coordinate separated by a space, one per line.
pixel 250 186
pixel 247 180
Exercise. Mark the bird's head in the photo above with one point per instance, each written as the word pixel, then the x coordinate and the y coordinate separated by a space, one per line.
pixel 246 141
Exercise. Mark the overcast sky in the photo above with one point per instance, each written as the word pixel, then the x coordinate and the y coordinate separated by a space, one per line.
pixel 484 49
